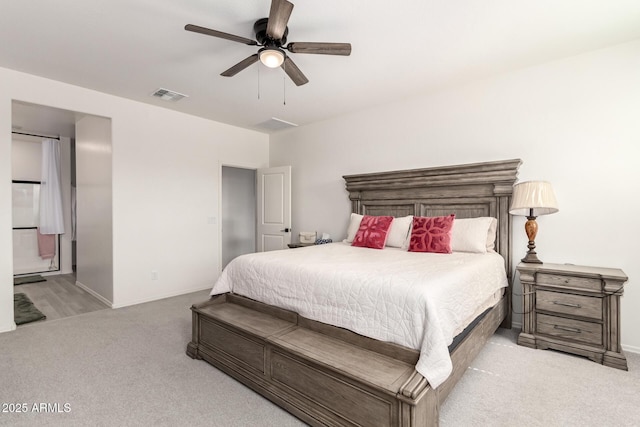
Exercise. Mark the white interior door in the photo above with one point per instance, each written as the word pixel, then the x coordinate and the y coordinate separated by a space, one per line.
pixel 274 208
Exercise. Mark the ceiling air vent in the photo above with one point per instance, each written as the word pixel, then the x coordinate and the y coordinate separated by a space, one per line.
pixel 274 124
pixel 168 95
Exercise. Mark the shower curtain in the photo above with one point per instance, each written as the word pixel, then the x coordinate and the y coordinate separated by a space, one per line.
pixel 51 216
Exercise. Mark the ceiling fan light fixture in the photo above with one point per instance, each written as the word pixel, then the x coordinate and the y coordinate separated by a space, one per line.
pixel 272 57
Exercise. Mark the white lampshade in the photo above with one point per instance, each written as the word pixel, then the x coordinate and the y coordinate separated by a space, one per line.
pixel 272 58
pixel 533 198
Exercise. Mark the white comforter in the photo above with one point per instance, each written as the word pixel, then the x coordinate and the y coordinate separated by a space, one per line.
pixel 416 300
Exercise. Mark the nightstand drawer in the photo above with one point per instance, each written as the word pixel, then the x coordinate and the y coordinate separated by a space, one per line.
pixel 575 305
pixel 577 330
pixel 569 281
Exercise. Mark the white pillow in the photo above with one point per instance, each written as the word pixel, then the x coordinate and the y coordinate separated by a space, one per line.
pixel 399 231
pixel 354 225
pixel 491 236
pixel 476 235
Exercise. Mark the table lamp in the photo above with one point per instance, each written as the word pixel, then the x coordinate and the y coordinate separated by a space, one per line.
pixel 532 199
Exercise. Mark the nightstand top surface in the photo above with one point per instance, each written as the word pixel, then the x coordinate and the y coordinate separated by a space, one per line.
pixel 582 270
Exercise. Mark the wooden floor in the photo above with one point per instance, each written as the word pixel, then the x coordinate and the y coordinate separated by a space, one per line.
pixel 59 297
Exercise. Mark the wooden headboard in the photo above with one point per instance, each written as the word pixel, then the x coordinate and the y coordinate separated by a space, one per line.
pixel 471 190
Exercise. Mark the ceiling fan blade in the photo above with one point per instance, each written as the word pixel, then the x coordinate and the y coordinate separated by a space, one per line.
pixel 320 48
pixel 278 18
pixel 294 72
pixel 219 34
pixel 240 66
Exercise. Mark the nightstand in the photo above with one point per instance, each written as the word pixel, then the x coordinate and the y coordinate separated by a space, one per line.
pixel 573 308
pixel 298 245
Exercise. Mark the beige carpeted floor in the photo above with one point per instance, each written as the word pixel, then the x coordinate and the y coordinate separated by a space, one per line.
pixel 511 385
pixel 128 367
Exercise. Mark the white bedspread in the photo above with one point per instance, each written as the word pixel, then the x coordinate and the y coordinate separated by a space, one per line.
pixel 417 300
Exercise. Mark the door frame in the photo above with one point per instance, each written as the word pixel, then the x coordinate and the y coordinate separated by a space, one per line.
pixel 217 219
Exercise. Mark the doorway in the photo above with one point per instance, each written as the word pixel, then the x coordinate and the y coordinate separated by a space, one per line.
pixel 238 212
pixel 60 293
pixel 31 124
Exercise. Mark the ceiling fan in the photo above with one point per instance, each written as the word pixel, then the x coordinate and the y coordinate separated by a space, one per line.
pixel 271 34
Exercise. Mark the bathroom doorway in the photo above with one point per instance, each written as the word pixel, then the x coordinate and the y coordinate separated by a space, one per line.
pixel 53 286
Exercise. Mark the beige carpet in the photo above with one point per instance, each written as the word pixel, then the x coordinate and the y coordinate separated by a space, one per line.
pixel 124 367
pixel 128 367
pixel 511 385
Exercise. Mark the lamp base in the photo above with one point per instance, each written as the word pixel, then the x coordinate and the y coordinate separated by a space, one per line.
pixel 531 258
pixel 531 227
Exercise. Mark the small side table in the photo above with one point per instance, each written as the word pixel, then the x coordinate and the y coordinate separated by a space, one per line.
pixel 298 245
pixel 573 308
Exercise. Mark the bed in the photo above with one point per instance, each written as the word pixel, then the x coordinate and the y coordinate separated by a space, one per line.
pixel 352 370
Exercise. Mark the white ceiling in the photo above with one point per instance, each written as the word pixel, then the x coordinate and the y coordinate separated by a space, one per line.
pixel 129 48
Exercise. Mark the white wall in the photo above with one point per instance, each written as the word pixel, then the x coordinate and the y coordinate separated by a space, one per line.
pixel 66 261
pixel 6 244
pixel 573 122
pixel 165 187
pixel 94 207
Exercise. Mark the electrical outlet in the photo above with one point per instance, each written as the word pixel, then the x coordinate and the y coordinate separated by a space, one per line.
pixel 154 275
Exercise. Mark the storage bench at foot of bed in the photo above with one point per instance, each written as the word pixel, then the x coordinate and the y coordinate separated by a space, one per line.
pixel 319 378
pixel 322 374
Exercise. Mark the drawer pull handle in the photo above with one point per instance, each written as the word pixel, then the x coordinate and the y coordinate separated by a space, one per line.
pixel 568 304
pixel 566 328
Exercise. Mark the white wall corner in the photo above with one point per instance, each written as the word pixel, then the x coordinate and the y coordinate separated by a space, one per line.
pixel 8 328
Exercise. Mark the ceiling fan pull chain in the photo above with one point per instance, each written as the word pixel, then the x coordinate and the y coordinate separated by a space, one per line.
pixel 258 83
pixel 284 91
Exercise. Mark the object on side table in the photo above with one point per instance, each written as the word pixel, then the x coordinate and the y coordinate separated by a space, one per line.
pixel 573 308
pixel 323 241
pixel 532 199
pixel 307 237
pixel 325 238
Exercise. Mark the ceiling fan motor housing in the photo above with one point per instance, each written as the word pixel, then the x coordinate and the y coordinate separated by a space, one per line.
pixel 260 29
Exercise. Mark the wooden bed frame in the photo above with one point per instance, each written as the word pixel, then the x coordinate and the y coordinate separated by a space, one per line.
pixel 330 376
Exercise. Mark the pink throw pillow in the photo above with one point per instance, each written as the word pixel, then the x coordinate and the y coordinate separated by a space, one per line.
pixel 373 232
pixel 431 234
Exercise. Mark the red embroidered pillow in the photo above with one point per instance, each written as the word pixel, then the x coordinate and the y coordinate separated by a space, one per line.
pixel 431 234
pixel 373 232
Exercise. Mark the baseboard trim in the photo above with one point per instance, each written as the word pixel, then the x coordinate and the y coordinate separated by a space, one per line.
pixel 95 294
pixel 517 325
pixel 8 328
pixel 159 297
